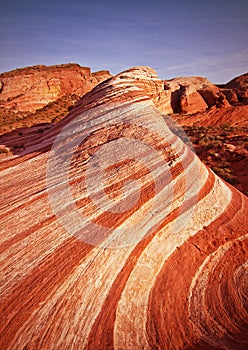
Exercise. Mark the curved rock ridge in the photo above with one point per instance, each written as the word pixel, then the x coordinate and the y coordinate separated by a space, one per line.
pixel 116 236
pixel 30 95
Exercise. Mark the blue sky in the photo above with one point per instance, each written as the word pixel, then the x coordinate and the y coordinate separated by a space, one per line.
pixel 177 38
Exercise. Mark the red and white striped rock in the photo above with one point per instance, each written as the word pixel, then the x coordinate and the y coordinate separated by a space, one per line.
pixel 149 252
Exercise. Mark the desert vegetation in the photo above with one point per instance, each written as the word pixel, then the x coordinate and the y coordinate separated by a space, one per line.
pixel 51 113
pixel 224 149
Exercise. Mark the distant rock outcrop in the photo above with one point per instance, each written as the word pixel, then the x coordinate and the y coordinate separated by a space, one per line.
pixel 190 95
pixel 28 89
pixel 240 82
pixel 239 87
pixel 116 236
pixel 191 101
pixel 24 91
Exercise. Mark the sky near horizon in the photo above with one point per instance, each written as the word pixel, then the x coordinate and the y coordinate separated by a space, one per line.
pixel 176 38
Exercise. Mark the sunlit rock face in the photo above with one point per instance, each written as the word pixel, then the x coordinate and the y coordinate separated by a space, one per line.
pixel 28 89
pixel 190 95
pixel 116 236
pixel 191 101
pixel 239 87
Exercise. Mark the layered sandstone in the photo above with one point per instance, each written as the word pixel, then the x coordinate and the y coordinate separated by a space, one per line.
pixel 190 95
pixel 232 115
pixel 239 87
pixel 24 91
pixel 191 101
pixel 28 89
pixel 116 236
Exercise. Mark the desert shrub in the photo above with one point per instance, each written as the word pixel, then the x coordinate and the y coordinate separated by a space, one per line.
pixel 226 126
pixel 226 173
pixel 217 143
pixel 205 142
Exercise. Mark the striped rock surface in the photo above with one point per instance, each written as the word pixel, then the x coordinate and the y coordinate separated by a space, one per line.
pixel 115 236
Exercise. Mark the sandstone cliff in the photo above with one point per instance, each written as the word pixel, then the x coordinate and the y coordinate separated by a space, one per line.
pixel 116 236
pixel 41 94
pixel 28 89
pixel 238 88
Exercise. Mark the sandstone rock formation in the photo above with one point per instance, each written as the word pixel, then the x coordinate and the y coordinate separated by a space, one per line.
pixel 233 115
pixel 116 236
pixel 24 91
pixel 190 95
pixel 230 95
pixel 28 89
pixel 239 87
pixel 226 103
pixel 191 101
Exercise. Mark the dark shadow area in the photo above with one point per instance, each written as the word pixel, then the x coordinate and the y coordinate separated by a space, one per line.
pixel 18 140
pixel 175 101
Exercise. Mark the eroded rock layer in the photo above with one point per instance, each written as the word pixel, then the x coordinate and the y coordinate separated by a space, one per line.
pixel 28 89
pixel 116 236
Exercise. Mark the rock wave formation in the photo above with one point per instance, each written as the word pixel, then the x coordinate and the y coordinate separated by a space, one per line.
pixel 28 89
pixel 116 236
